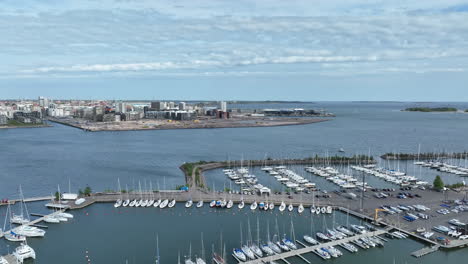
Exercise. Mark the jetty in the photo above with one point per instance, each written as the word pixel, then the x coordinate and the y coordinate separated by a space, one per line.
pixel 424 156
pixel 299 252
pixel 424 251
pixel 194 170
pixel 29 200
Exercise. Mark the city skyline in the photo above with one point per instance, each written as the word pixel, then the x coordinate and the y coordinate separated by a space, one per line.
pixel 252 50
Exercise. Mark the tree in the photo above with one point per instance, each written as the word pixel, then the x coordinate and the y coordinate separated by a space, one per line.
pixel 57 196
pixel 87 191
pixel 438 183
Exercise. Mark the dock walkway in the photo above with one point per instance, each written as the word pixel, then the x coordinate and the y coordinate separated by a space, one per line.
pixel 33 222
pixel 425 251
pixel 10 259
pixel 306 250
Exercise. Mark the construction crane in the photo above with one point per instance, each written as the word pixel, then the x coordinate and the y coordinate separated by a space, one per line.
pixel 376 214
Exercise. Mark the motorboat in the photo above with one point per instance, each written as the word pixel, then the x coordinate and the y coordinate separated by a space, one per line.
pixel 29 231
pixel 200 204
pixel 51 220
pixel 164 203
pixel 358 229
pixel 188 204
pixel 271 206
pixel 310 240
pixel 345 230
pixel 253 206
pixel 239 254
pixel 66 215
pixel 24 252
pixel 172 203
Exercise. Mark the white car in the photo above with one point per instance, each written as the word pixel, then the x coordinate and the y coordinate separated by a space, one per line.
pixel 463 237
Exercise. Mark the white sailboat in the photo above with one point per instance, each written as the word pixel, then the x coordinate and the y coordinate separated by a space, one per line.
pixel 172 203
pixel 290 207
pixel 151 201
pixel 11 236
pixel 119 201
pixel 164 203
pixel 282 207
pixel 241 204
pixel 300 209
pixel 127 201
pixel 189 203
pixel 253 206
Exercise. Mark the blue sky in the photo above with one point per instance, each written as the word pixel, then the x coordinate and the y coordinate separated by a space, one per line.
pixel 257 49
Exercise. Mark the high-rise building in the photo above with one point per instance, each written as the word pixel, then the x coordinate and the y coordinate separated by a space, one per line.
pixel 121 107
pixel 159 105
pixel 182 106
pixel 43 102
pixel 223 106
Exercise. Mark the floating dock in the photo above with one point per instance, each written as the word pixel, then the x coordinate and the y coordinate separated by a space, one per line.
pixel 305 250
pixel 425 251
pixel 11 259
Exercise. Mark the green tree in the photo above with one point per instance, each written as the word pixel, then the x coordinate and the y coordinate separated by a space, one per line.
pixel 438 183
pixel 57 196
pixel 87 191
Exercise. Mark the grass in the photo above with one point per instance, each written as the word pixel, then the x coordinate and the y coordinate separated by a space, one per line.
pixel 433 109
pixel 19 124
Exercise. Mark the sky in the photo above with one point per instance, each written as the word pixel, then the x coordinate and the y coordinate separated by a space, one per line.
pixel 310 50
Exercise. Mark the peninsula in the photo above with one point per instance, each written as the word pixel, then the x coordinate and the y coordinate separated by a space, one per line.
pixel 431 109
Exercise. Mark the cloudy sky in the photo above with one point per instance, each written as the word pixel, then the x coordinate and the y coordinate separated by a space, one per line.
pixel 224 49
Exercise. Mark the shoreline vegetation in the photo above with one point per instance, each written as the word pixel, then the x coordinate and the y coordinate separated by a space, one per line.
pixel 423 156
pixel 431 109
pixel 17 124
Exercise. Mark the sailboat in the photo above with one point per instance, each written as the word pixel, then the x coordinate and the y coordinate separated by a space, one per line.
pixel 245 248
pixel 240 253
pixel 202 259
pixel 119 201
pixel 270 243
pixel 290 207
pixel 20 219
pixel 151 201
pixel 254 205
pixel 282 207
pixel 189 259
pixel 189 203
pixel 310 239
pixel 241 204
pixel 157 203
pixel 172 203
pixel 200 202
pixel 288 242
pixel 144 201
pixel 164 203
pixel 127 201
pixel 230 203
pixel 256 247
pixel 11 235
pixel 300 209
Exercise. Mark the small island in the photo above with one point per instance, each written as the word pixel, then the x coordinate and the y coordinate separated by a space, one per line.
pixel 431 109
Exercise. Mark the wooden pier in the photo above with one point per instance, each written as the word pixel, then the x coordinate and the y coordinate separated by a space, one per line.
pixel 29 200
pixel 305 250
pixel 425 251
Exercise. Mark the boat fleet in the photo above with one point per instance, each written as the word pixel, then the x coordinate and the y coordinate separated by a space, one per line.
pixel 289 178
pixel 342 180
pixel 392 176
pixel 445 167
pixel 259 249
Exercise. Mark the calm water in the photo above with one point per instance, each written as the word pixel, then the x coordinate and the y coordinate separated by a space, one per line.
pixel 41 159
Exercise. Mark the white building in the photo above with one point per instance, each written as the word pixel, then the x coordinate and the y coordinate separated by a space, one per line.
pixel 182 106
pixel 121 107
pixel 223 106
pixel 43 102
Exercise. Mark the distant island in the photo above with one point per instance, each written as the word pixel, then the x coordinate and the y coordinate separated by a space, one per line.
pixel 431 109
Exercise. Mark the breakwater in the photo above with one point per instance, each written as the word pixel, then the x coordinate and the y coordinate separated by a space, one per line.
pixel 424 156
pixel 194 170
